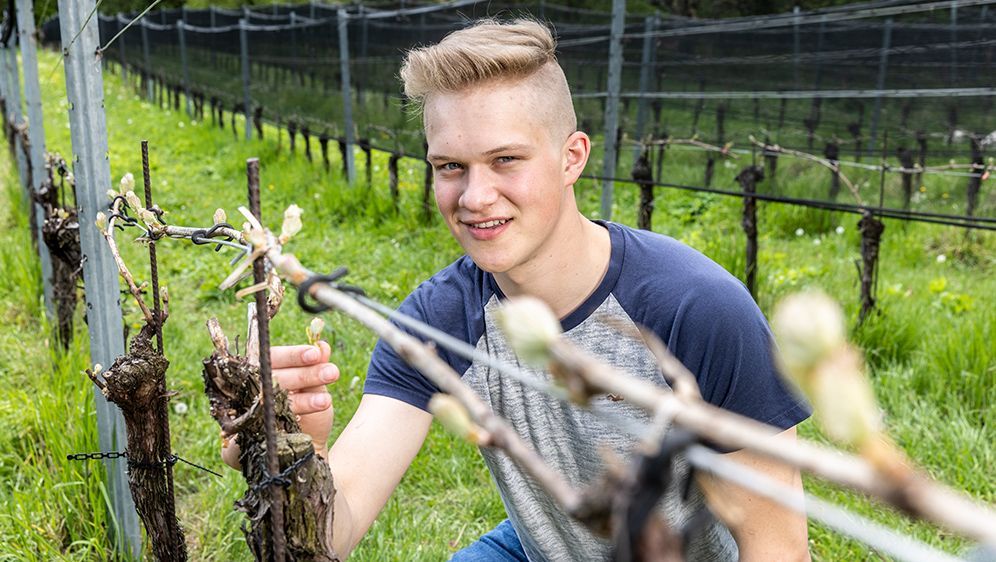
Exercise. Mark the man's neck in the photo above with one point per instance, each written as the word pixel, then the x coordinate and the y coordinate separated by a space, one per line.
pixel 568 271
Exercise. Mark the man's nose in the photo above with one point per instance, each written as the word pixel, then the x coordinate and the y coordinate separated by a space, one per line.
pixel 480 191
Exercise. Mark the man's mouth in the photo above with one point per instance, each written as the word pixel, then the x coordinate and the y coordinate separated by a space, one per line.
pixel 488 224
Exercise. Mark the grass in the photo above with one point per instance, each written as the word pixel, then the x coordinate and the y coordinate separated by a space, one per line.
pixel 932 347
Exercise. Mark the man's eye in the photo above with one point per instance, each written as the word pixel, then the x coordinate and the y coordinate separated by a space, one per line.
pixel 449 167
pixel 505 159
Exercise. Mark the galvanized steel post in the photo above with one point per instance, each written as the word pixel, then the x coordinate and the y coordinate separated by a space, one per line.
pixel 646 68
pixel 183 64
pixel 347 100
pixel 244 58
pixel 146 60
pixel 612 105
pixel 88 132
pixel 883 65
pixel 15 114
pixel 122 22
pixel 36 134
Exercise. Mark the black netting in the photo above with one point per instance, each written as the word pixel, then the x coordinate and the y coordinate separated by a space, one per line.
pixel 849 84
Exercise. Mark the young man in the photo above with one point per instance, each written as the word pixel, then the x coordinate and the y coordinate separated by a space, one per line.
pixel 502 140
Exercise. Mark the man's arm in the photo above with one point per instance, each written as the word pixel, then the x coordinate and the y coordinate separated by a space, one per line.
pixel 368 460
pixel 766 530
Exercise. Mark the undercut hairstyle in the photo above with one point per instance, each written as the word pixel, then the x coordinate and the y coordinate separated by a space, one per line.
pixel 487 52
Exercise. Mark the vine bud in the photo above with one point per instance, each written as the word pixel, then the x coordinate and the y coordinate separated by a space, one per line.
pixel 292 223
pixel 127 183
pixel 133 201
pixel 843 399
pixel 808 328
pixel 314 330
pixel 147 216
pixel 220 216
pixel 454 417
pixel 530 327
pixel 101 221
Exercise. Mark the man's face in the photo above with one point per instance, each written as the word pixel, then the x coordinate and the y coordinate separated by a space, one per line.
pixel 501 178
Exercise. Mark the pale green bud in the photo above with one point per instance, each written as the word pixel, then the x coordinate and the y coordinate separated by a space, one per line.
pixel 147 216
pixel 127 183
pixel 133 201
pixel 843 399
pixel 451 414
pixel 530 328
pixel 101 221
pixel 220 216
pixel 808 327
pixel 314 330
pixel 292 223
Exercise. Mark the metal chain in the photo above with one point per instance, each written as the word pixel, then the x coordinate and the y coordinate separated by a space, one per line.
pixel 97 456
pixel 170 460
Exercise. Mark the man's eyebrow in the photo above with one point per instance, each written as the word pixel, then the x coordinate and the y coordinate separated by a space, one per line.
pixel 502 148
pixel 507 148
pixel 438 157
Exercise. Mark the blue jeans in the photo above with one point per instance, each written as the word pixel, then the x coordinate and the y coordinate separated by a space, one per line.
pixel 498 545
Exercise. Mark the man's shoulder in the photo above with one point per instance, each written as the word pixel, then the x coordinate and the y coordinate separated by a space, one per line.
pixel 456 284
pixel 662 273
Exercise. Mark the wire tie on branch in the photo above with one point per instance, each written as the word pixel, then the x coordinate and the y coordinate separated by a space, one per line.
pixel 304 290
pixel 282 479
pixel 203 236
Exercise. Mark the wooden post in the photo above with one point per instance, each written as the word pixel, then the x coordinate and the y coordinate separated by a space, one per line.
pixel 364 144
pixel 832 153
pixel 921 141
pixel 975 182
pixel 748 178
pixel 392 171
pixel 644 178
pixel 871 236
pixel 906 161
pixel 323 142
pixel 306 136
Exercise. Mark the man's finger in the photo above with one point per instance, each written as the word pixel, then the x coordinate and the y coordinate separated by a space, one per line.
pixel 302 378
pixel 285 356
pixel 310 402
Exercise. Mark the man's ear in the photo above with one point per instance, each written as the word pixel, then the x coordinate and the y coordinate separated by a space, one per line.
pixel 577 149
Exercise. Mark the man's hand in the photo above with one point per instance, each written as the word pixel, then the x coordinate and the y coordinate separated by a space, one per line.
pixel 303 371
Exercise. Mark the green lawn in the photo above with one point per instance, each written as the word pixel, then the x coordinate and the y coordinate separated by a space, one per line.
pixel 932 347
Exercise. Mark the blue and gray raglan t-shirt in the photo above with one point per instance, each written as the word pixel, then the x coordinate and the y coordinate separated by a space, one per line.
pixel 704 315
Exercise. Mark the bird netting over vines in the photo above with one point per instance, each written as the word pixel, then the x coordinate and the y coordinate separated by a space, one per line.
pixel 910 83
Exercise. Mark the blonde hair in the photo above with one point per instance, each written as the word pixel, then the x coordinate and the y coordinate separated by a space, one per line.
pixel 491 51
pixel 487 50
